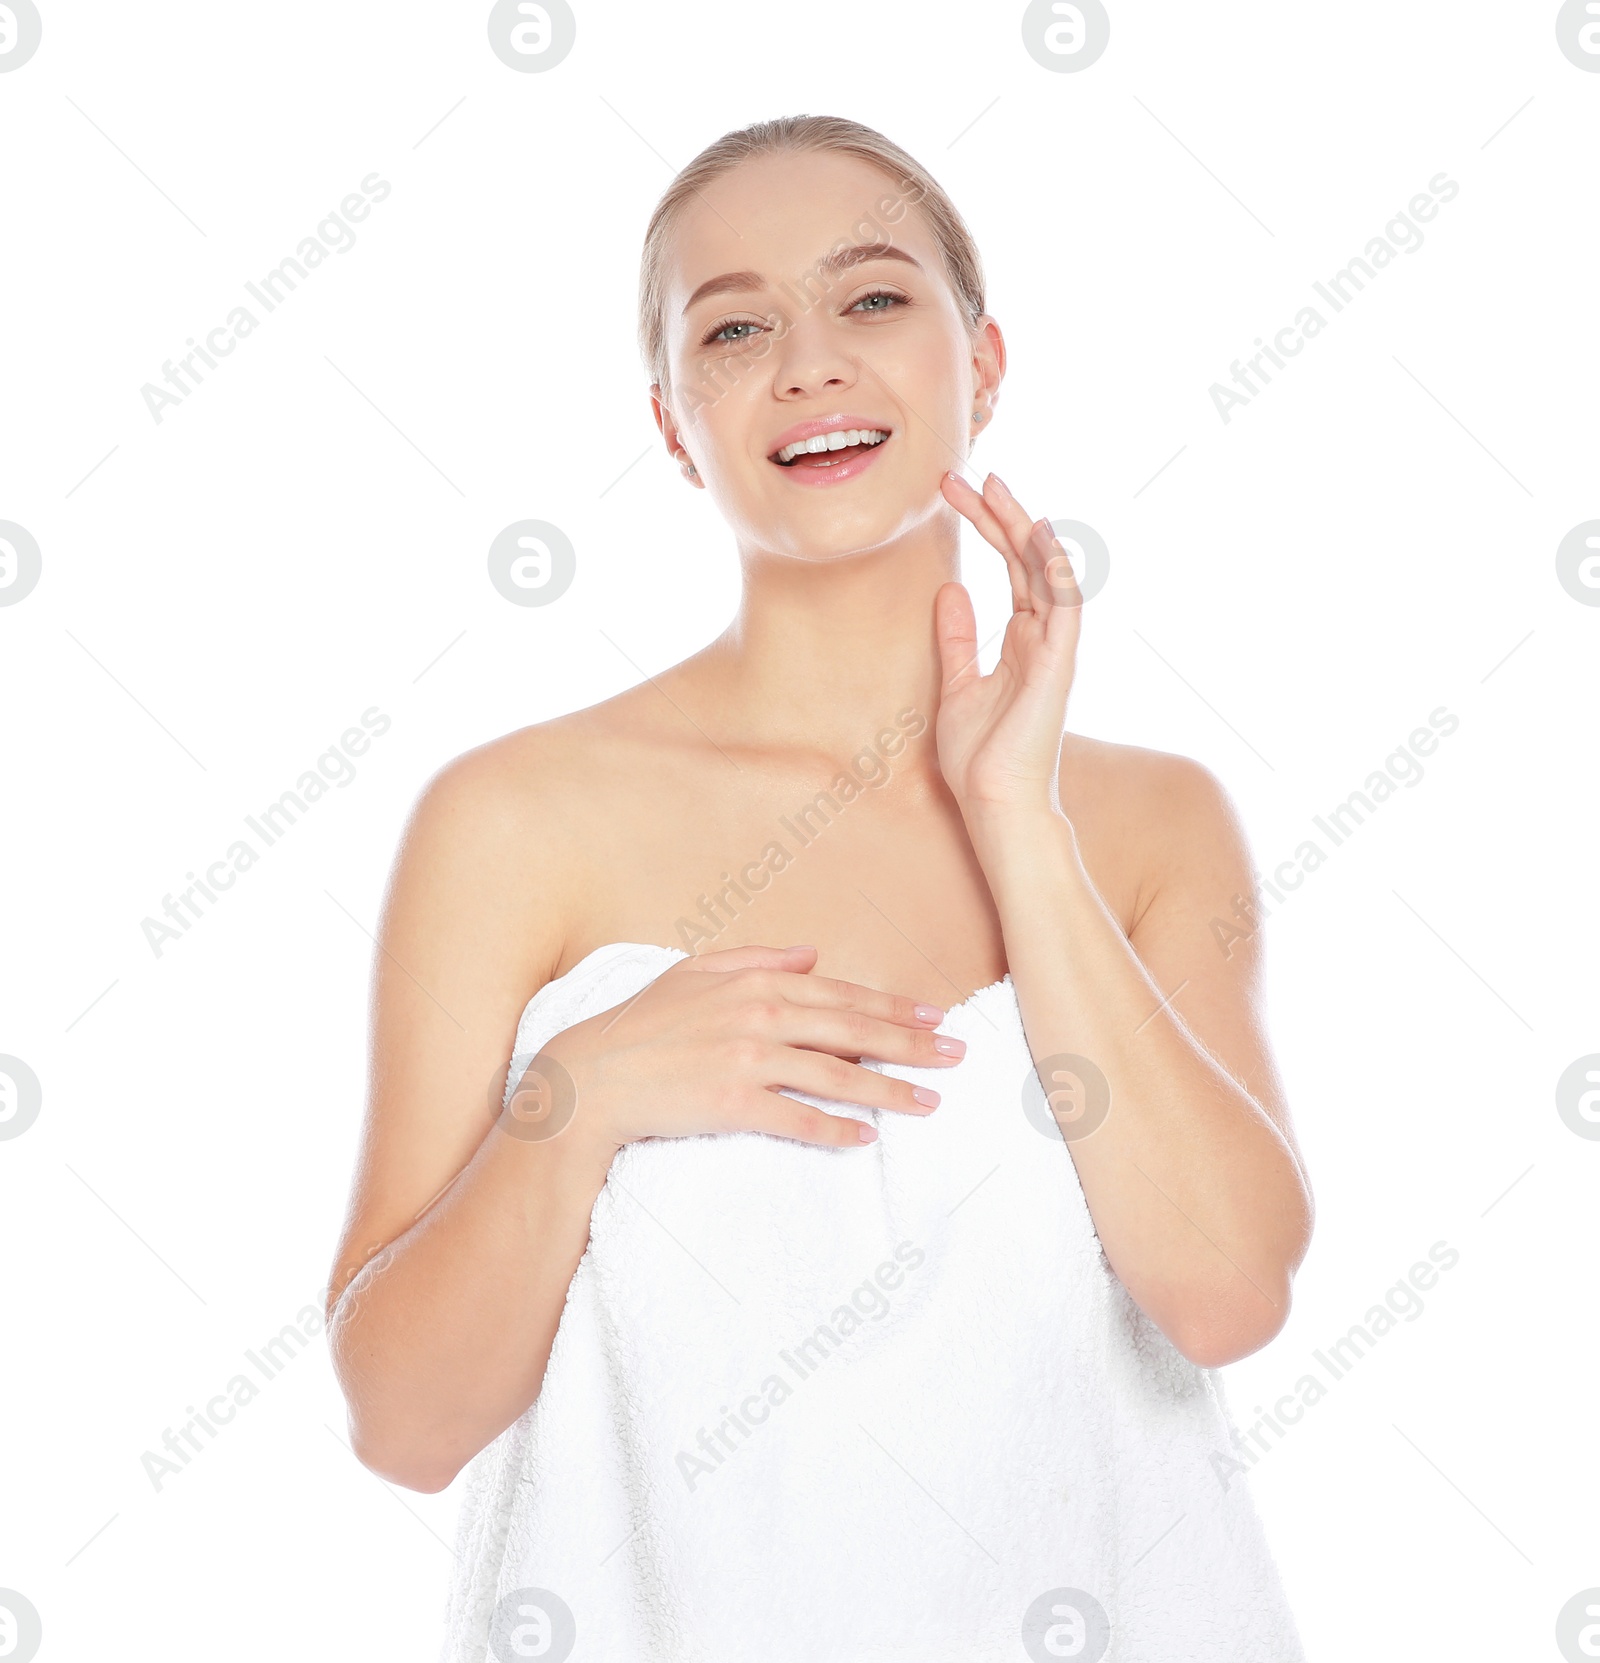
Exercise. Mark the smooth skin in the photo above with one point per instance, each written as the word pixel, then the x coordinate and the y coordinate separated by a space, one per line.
pixel 997 842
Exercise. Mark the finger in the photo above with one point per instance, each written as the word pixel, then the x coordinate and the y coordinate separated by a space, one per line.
pixel 975 505
pixel 1022 531
pixel 852 1035
pixel 955 626
pixel 783 1117
pixel 980 511
pixel 822 1075
pixel 830 993
pixel 1057 581
pixel 1054 581
pixel 847 1082
pixel 793 959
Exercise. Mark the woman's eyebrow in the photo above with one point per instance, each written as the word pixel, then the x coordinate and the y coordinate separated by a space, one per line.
pixel 746 282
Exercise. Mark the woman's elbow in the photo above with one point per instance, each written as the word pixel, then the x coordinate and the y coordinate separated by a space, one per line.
pixel 1220 1336
pixel 395 1462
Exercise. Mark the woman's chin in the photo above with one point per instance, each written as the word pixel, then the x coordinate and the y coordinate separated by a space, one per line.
pixel 854 537
pixel 839 528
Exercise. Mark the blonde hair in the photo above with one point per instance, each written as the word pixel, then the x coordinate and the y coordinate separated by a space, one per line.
pixel 798 134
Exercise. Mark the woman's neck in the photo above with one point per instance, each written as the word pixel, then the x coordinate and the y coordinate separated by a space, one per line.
pixel 821 655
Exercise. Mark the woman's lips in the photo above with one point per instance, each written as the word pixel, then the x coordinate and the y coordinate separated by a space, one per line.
pixel 831 467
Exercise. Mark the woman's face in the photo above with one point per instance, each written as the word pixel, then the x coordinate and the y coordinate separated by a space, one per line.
pixel 778 329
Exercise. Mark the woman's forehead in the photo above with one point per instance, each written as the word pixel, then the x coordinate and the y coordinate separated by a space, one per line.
pixel 780 217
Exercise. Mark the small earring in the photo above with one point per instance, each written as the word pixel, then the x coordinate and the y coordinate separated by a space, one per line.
pixel 980 415
pixel 688 466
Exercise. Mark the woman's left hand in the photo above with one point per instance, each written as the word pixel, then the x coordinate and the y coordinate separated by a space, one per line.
pixel 999 735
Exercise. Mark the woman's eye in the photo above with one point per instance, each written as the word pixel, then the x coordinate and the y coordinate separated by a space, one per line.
pixel 722 331
pixel 741 329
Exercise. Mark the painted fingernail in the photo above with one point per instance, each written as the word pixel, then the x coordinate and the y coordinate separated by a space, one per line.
pixel 931 1014
pixel 1001 483
pixel 807 948
pixel 950 1047
pixel 928 1099
pixel 869 1134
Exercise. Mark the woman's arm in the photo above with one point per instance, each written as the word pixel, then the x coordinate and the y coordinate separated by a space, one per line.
pixel 460 1243
pixel 1194 1184
pixel 1193 1178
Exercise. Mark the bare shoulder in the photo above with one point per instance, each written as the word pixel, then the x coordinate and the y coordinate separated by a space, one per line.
pixel 495 791
pixel 510 821
pixel 1146 817
pixel 1134 778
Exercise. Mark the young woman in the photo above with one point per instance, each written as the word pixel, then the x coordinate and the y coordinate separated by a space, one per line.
pixel 854 1300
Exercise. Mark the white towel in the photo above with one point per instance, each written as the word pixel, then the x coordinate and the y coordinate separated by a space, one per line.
pixel 816 1405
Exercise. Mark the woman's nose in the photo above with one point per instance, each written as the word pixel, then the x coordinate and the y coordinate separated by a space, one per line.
pixel 807 358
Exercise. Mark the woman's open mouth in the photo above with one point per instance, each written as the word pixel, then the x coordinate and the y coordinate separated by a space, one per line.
pixel 831 458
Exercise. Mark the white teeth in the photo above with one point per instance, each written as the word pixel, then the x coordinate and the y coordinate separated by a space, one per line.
pixel 833 441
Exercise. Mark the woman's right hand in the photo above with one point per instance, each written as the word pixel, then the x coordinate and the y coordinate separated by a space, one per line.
pixel 708 1044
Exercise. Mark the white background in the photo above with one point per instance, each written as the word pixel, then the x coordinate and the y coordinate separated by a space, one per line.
pixel 223 593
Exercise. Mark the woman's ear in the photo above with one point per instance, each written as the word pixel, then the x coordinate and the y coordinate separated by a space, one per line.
pixel 988 361
pixel 662 416
pixel 988 370
pixel 671 438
